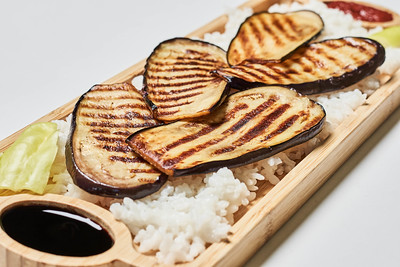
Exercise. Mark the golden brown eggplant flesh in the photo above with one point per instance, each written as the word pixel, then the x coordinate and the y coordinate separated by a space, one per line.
pixel 178 81
pixel 250 125
pixel 97 156
pixel 265 36
pixel 316 68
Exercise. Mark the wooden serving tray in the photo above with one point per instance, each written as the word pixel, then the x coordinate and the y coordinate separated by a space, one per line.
pixel 254 224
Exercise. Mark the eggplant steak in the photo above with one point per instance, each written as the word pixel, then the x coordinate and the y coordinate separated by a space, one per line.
pixel 98 158
pixel 250 125
pixel 316 68
pixel 178 82
pixel 272 36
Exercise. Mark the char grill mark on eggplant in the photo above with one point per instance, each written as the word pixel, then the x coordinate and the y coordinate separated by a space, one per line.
pixel 179 82
pixel 122 106
pixel 249 126
pixel 316 68
pixel 98 158
pixel 273 36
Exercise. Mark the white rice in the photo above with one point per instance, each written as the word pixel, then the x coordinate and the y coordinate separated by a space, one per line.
pixel 188 213
pixel 235 18
pixel 333 20
pixel 59 176
pixel 185 215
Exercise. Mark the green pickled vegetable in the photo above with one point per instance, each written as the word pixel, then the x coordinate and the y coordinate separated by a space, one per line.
pixel 26 164
pixel 389 37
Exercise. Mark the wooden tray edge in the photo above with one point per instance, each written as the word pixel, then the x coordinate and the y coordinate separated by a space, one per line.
pixel 285 198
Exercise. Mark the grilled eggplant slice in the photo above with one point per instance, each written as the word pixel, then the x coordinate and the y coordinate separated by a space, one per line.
pixel 272 36
pixel 178 81
pixel 98 158
pixel 316 68
pixel 250 125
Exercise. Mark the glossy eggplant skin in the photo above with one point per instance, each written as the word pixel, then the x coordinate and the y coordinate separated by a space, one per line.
pixel 92 186
pixel 272 37
pixel 305 70
pixel 249 126
pixel 97 156
pixel 178 79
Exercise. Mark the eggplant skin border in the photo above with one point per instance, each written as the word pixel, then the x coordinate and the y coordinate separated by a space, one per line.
pixel 253 156
pixel 154 107
pixel 92 186
pixel 323 86
pixel 305 42
pixel 89 185
pixel 247 158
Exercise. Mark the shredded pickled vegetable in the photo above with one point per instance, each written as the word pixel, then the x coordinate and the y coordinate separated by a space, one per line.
pixel 26 164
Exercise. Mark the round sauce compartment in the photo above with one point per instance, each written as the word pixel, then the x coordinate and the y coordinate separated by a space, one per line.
pixel 55 230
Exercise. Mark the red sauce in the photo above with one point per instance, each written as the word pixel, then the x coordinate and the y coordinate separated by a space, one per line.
pixel 361 12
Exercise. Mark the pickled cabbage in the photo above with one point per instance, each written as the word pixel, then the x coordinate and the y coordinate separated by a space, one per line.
pixel 26 164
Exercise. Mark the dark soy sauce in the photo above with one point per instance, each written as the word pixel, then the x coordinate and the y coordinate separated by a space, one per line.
pixel 55 230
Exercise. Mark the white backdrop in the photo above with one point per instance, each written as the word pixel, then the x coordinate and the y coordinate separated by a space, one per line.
pixel 53 51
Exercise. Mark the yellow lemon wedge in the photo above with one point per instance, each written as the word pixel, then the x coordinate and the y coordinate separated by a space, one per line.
pixel 389 37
